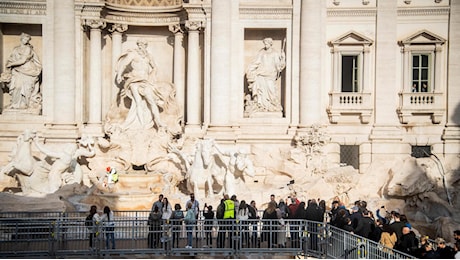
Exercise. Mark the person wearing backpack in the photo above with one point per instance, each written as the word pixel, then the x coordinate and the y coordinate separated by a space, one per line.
pixel 190 222
pixel 154 223
pixel 109 227
pixel 176 221
pixel 92 224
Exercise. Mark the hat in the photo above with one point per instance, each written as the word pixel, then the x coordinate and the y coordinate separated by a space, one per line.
pixel 355 208
pixel 107 169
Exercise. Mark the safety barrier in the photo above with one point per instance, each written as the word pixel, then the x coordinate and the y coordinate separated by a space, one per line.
pixel 63 235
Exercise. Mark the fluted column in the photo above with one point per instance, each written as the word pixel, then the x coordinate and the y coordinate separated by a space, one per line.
pixel 64 62
pixel 194 97
pixel 117 31
pixel 220 62
pixel 179 64
pixel 95 70
pixel 310 62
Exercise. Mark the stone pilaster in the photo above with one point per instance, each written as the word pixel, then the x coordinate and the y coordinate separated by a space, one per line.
pixel 310 61
pixel 451 135
pixel 386 120
pixel 63 123
pixel 220 63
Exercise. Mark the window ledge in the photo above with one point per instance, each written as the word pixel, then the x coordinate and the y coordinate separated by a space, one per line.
pixel 349 103
pixel 421 103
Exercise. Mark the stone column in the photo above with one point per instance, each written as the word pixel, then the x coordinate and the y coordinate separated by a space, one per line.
pixel 179 65
pixel 117 31
pixel 310 62
pixel 64 63
pixel 95 71
pixel 194 97
pixel 220 62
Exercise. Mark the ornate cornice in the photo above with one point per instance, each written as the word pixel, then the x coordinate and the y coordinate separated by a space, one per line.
pixel 437 11
pixel 424 11
pixel 37 7
pixel 351 12
pixel 266 13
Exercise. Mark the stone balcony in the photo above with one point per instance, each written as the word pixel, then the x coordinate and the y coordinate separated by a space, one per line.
pixel 349 103
pixel 421 103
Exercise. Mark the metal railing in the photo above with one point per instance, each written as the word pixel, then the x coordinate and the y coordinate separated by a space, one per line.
pixel 62 235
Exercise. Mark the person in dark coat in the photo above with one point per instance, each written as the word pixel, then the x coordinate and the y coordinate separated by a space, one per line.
pixel 408 243
pixel 314 213
pixel 365 225
pixel 444 251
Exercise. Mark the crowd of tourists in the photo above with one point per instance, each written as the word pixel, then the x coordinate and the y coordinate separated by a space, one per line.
pixel 390 229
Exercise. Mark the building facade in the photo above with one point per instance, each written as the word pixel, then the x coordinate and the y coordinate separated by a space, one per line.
pixel 381 78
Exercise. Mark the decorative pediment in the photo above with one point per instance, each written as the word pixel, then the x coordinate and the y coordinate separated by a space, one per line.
pixel 423 37
pixel 351 38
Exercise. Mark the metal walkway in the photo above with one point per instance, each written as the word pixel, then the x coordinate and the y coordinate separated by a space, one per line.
pixel 64 235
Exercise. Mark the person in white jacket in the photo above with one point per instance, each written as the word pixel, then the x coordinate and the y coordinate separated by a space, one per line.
pixel 242 216
pixel 109 227
pixel 167 213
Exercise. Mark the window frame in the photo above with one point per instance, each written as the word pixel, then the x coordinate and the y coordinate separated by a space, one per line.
pixel 356 81
pixel 422 43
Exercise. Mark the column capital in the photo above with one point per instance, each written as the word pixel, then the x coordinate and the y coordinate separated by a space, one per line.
pixel 94 23
pixel 193 25
pixel 176 28
pixel 118 27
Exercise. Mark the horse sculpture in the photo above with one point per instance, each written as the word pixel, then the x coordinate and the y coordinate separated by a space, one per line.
pixel 201 170
pixel 238 166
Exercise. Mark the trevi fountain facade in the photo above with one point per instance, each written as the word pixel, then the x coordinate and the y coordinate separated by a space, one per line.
pixel 355 99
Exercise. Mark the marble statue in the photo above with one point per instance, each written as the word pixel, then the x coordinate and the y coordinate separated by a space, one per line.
pixel 48 175
pixel 22 75
pixel 64 168
pixel 238 165
pixel 145 118
pixel 262 75
pixel 200 170
pixel 136 71
pixel 22 160
pixel 309 149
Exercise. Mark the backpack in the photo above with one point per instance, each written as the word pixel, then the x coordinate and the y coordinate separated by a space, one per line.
pixel 220 211
pixel 190 217
pixel 89 221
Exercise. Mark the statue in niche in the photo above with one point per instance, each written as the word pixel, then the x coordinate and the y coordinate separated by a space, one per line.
pixel 262 75
pixel 136 71
pixel 22 75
